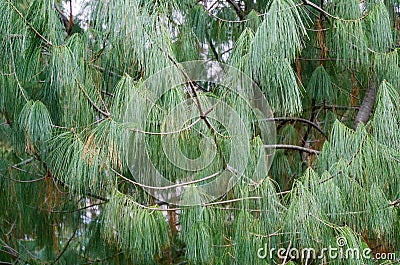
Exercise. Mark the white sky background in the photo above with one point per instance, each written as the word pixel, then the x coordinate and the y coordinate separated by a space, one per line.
pixel 76 7
pixel 78 11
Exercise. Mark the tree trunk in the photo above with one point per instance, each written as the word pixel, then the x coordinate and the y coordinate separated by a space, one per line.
pixel 368 104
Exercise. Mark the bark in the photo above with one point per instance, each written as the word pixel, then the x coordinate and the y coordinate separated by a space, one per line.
pixel 67 22
pixel 367 105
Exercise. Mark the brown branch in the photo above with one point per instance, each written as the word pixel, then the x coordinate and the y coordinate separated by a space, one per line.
pixel 300 120
pixel 337 107
pixel 79 209
pixel 212 47
pixel 64 18
pixel 237 8
pixel 71 19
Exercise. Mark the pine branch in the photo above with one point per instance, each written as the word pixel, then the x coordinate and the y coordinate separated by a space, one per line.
pixel 237 9
pixel 338 107
pixel 67 22
pixel 9 254
pixel 325 13
pixel 395 203
pixel 313 124
pixel 350 161
pixel 29 24
pixel 55 179
pixel 105 113
pixel 64 18
pixel 166 187
pixel 294 147
pixel 167 133
pixel 79 209
pixel 103 70
pixel 15 72
pixel 27 161
pixel 212 47
pixel 194 95
pixel 318 8
pixel 26 181
pixel 244 198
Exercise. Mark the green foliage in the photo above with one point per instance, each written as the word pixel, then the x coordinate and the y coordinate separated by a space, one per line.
pixel 36 123
pixel 198 226
pixel 387 116
pixel 79 165
pixel 140 232
pixel 282 26
pixel 349 45
pixel 305 216
pixel 320 86
pixel 379 31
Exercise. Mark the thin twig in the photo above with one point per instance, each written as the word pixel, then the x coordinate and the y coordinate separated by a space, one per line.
pixel 244 198
pixel 27 161
pixel 15 72
pixel 300 120
pixel 27 181
pixel 294 147
pixel 9 253
pixel 166 187
pixel 11 228
pixel 167 133
pixel 107 114
pixel 338 107
pixel 309 3
pixel 395 159
pixel 65 247
pixel 274 234
pixel 101 69
pixel 79 209
pixel 150 208
pixel 102 101
pixel 237 8
pixel 195 97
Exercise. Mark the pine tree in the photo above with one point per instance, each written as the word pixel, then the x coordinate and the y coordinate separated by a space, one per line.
pixel 86 127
